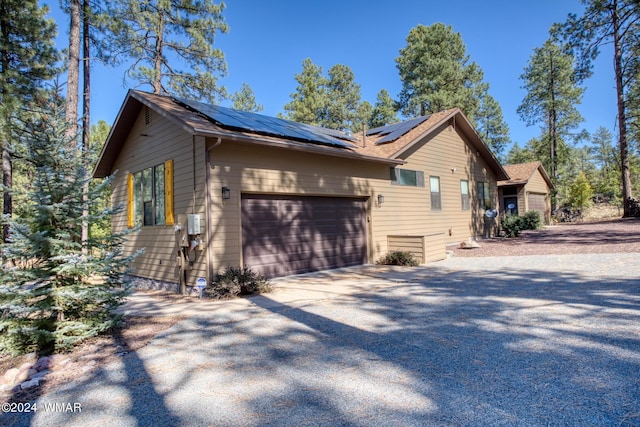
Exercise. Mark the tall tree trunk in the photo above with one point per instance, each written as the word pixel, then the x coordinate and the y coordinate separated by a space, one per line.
pixel 73 72
pixel 553 131
pixel 7 182
pixel 553 134
pixel 622 118
pixel 157 59
pixel 7 170
pixel 86 115
pixel 7 203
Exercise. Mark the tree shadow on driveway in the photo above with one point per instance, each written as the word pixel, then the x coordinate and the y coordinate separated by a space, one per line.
pixel 502 346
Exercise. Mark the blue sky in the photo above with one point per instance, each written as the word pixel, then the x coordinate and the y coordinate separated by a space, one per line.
pixel 268 40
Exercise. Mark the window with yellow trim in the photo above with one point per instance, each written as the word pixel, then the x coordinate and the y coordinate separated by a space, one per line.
pixel 149 197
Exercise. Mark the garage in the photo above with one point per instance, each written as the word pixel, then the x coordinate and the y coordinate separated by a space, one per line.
pixel 284 235
pixel 537 202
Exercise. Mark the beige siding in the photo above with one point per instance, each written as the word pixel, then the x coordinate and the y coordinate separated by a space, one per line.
pixel 412 244
pixel 163 141
pixel 538 185
pixel 246 168
pixel 434 247
pixel 449 157
pixel 255 169
pixel 424 248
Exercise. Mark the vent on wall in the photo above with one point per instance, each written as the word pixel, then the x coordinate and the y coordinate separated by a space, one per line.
pixel 147 116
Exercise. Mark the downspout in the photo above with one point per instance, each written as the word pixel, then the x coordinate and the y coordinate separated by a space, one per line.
pixel 207 164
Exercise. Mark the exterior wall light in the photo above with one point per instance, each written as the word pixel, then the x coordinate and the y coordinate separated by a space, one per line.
pixel 380 200
pixel 226 193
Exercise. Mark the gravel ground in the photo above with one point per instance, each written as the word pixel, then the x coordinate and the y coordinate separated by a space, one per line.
pixel 612 236
pixel 516 341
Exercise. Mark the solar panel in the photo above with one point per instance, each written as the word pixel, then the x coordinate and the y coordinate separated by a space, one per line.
pixel 258 123
pixel 396 130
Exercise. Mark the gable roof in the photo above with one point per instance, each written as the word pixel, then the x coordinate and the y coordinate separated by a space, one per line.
pixel 393 141
pixel 200 119
pixel 385 144
pixel 521 173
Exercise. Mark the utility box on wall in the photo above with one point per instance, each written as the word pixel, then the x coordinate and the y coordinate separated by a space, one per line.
pixel 193 224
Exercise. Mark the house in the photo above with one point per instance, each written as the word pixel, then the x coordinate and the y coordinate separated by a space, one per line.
pixel 528 188
pixel 206 187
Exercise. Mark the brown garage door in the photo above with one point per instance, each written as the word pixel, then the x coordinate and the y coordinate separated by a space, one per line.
pixel 537 203
pixel 284 235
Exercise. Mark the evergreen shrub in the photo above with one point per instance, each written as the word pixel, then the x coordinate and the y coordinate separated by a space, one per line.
pixel 512 225
pixel 236 281
pixel 532 220
pixel 55 289
pixel 398 258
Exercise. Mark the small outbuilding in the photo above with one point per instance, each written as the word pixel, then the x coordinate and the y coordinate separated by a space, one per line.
pixel 528 188
pixel 206 187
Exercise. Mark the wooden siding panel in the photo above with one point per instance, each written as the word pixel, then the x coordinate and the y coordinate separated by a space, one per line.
pixel 147 146
pixel 412 244
pixel 450 158
pixel 435 247
pixel 539 189
pixel 425 248
pixel 537 184
pixel 248 169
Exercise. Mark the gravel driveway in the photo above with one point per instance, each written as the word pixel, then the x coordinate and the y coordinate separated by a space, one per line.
pixel 612 236
pixel 514 341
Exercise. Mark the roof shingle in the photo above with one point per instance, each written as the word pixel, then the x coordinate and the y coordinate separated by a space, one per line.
pixel 521 173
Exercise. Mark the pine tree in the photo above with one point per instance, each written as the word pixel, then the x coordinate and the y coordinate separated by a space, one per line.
pixel 101 227
pixel 363 116
pixel 343 96
pixel 309 101
pixel 519 154
pixel 55 295
pixel 551 99
pixel 436 73
pixel 27 58
pixel 612 22
pixel 384 110
pixel 245 100
pixel 331 101
pixel 491 125
pixel 161 36
pixel 73 68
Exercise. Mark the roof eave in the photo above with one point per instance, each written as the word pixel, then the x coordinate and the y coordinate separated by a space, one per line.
pixel 134 101
pixel 510 183
pixel 546 176
pixel 296 146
